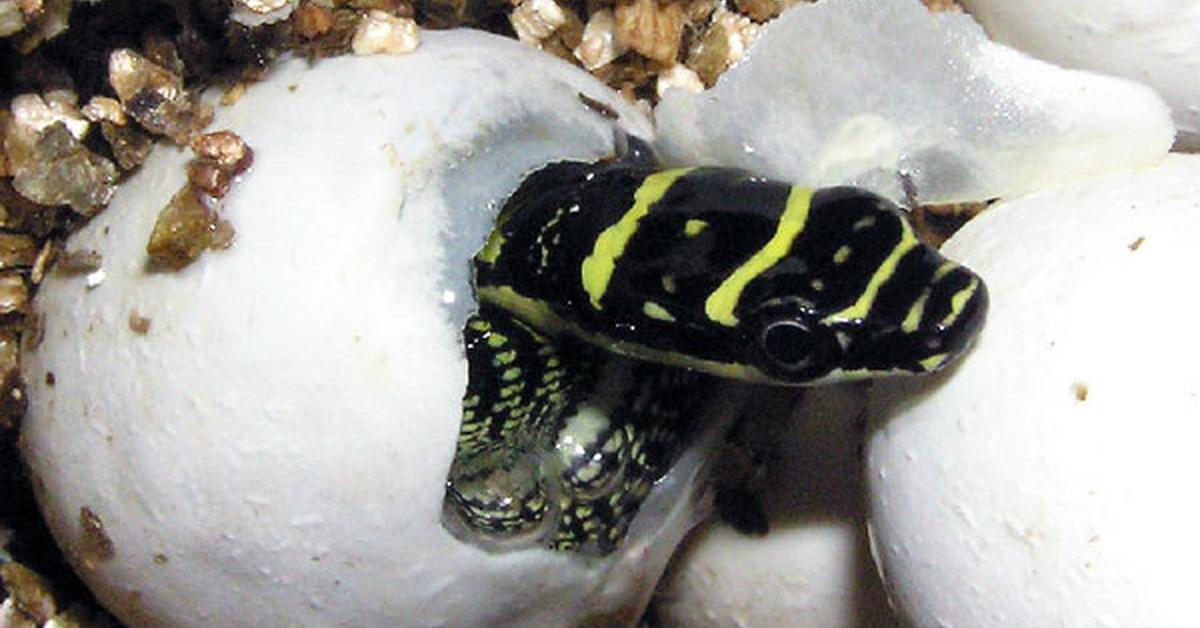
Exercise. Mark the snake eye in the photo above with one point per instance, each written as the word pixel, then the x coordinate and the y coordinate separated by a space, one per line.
pixel 787 342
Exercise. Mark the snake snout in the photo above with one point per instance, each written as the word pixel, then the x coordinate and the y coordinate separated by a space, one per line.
pixel 966 318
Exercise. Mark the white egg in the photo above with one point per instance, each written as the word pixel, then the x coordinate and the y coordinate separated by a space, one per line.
pixel 1156 42
pixel 1049 479
pixel 273 449
pixel 813 567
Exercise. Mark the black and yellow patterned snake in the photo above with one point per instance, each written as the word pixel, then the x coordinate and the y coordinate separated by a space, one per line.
pixel 611 293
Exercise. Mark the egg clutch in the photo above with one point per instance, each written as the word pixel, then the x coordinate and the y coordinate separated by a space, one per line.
pixel 612 293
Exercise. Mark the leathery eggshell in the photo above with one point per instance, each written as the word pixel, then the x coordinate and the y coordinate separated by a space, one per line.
pixel 268 444
pixel 1156 43
pixel 1049 480
pixel 853 92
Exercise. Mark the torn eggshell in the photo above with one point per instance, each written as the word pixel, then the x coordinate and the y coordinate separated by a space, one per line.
pixel 866 91
pixel 1156 43
pixel 263 437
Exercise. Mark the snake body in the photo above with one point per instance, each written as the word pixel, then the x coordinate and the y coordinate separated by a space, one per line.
pixel 612 293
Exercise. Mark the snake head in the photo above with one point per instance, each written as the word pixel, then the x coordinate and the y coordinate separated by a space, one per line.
pixel 878 302
pixel 789 343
